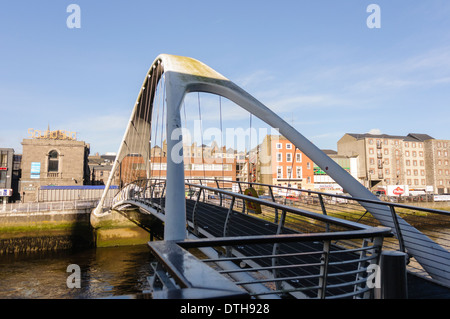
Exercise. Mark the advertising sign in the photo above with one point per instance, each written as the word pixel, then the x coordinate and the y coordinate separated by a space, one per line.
pixel 35 170
pixel 397 190
pixel 5 192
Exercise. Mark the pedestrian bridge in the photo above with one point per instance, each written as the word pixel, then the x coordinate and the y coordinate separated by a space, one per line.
pixel 221 240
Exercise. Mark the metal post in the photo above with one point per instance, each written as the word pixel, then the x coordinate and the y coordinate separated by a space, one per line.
pixel 324 270
pixel 225 227
pixel 324 211
pixel 397 229
pixel 243 200
pixel 194 219
pixel 393 275
pixel 220 194
pixel 273 200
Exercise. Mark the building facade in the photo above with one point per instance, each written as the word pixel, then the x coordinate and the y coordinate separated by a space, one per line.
pixel 52 159
pixel 6 174
pixel 324 183
pixel 280 163
pixel 416 160
pixel 437 163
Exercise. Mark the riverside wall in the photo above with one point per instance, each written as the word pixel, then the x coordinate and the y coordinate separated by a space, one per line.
pixel 23 232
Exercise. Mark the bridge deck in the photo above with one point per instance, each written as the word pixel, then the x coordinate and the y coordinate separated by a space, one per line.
pixel 211 219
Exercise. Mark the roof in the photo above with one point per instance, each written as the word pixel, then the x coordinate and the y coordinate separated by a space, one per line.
pixel 421 137
pixel 413 137
pixel 329 152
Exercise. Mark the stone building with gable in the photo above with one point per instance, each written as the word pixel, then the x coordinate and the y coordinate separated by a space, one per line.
pixel 52 158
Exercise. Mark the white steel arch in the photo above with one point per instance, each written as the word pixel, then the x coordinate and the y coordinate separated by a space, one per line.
pixel 183 75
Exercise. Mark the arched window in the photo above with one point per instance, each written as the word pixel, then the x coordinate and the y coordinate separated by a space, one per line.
pixel 53 161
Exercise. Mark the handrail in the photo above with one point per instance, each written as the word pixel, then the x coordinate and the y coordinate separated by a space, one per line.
pixel 286 238
pixel 365 200
pixel 291 209
pixel 295 210
pixel 169 255
pixel 332 215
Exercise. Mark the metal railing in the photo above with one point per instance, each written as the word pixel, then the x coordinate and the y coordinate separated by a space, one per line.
pixel 432 222
pixel 309 204
pixel 331 260
pixel 33 207
pixel 320 269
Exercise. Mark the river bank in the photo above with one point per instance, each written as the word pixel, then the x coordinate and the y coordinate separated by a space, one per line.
pixel 65 230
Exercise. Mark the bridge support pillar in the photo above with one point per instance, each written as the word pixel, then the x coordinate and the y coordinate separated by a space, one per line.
pixel 114 229
pixel 175 205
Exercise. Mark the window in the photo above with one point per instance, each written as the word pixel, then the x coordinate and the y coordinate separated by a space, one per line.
pixel 279 172
pixel 407 153
pixel 53 161
pixel 4 160
pixel 279 157
pixel 2 178
pixel 308 165
pixel 278 146
pixel 289 172
pixel 298 172
pixel 299 157
pixel 288 146
pixel 289 157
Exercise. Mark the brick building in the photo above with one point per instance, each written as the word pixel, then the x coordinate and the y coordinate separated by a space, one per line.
pixel 280 163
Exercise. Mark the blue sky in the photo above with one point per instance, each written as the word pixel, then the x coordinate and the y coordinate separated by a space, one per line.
pixel 315 63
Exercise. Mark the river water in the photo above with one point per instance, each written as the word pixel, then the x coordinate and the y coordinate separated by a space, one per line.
pixel 104 272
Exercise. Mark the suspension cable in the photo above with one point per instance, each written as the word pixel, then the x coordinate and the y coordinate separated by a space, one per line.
pixel 201 132
pixel 221 142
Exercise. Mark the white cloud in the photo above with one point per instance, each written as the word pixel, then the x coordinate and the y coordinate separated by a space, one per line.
pixel 375 131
